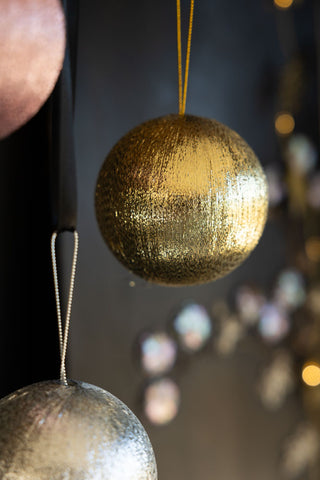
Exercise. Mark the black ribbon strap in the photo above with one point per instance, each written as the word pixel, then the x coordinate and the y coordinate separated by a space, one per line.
pixel 63 165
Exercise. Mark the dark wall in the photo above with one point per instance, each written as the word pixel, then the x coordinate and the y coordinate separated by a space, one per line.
pixel 28 339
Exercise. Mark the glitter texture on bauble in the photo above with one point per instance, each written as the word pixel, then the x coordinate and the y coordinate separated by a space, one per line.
pixel 74 432
pixel 181 200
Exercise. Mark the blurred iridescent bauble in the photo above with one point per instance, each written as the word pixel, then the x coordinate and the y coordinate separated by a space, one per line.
pixel 290 290
pixel 192 326
pixel 158 352
pixel 274 323
pixel 32 45
pixel 161 401
pixel 181 200
pixel 50 431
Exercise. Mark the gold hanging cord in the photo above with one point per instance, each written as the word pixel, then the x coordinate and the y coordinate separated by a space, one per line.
pixel 63 335
pixel 183 93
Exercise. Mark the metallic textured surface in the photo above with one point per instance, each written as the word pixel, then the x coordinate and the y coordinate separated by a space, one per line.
pixel 49 431
pixel 181 200
pixel 32 44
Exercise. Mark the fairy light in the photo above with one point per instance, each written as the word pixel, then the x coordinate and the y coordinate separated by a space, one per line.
pixel 283 4
pixel 284 123
pixel 311 374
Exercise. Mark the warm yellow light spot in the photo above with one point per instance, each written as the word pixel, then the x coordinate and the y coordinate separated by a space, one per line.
pixel 313 249
pixel 284 123
pixel 283 3
pixel 132 283
pixel 311 374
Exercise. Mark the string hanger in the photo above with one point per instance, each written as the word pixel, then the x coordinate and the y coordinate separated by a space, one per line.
pixel 63 172
pixel 183 86
pixel 63 332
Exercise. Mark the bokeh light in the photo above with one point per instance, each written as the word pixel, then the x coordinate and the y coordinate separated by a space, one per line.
pixel 158 352
pixel 301 154
pixel 274 323
pixel 284 123
pixel 313 300
pixel 313 194
pixel 277 381
pixel 193 327
pixel 311 374
pixel 313 249
pixel 275 185
pixel 300 453
pixel 290 291
pixel 249 301
pixel 283 4
pixel 230 333
pixel 161 401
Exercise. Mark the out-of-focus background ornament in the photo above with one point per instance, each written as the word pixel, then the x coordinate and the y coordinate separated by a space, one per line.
pixel 32 45
pixel 249 301
pixel 277 381
pixel 192 326
pixel 274 323
pixel 158 352
pixel 75 431
pixel 276 186
pixel 230 333
pixel 161 401
pixel 301 451
pixel 301 154
pixel 181 200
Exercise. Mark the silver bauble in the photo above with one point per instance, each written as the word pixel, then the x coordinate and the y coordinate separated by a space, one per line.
pixel 49 431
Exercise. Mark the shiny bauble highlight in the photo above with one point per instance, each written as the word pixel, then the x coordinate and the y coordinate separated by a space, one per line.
pixel 49 431
pixel 181 200
pixel 32 46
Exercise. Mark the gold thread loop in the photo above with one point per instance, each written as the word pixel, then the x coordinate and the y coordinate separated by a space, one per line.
pixel 179 55
pixel 63 335
pixel 183 96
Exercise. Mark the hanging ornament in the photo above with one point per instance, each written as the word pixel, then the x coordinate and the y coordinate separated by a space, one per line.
pixel 53 431
pixel 180 199
pixel 66 429
pixel 32 45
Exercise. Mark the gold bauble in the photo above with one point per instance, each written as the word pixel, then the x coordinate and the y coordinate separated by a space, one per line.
pixel 50 431
pixel 181 200
pixel 32 45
